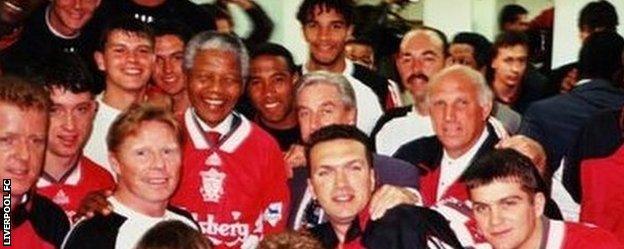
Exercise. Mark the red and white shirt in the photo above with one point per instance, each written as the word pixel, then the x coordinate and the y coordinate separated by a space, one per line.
pixel 85 177
pixel 235 190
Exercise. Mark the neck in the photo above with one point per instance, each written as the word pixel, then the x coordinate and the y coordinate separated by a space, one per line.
pixel 57 166
pixel 337 67
pixel 57 26
pixel 290 121
pixel 535 240
pixel 505 93
pixel 421 108
pixel 341 231
pixel 120 99
pixel 180 102
pixel 149 208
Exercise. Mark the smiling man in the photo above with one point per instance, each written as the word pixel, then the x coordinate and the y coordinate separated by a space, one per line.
pixel 234 180
pixel 52 30
pixel 145 151
pixel 126 56
pixel 508 204
pixel 326 27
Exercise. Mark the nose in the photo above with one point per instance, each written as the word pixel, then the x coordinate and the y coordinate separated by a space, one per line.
pixel 324 34
pixel 449 113
pixel 23 152
pixel 168 66
pixel 70 122
pixel 496 217
pixel 77 4
pixel 341 179
pixel 159 161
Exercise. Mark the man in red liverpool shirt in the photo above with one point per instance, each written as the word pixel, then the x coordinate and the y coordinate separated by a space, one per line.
pixel 35 222
pixel 508 205
pixel 67 175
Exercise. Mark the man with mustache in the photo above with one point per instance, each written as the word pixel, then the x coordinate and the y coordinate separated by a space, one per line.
pixel 421 55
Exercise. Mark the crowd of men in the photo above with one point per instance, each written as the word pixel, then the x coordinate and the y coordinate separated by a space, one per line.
pixel 150 124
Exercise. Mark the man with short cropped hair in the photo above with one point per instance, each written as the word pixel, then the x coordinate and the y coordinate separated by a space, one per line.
pixel 508 197
pixel 35 221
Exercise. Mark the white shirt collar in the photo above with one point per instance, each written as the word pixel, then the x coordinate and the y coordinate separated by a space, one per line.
pixel 348 70
pixel 54 31
pixel 582 82
pixel 72 179
pixel 222 128
pixel 451 169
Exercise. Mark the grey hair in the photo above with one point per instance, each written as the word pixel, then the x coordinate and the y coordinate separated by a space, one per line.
pixel 347 94
pixel 220 42
pixel 485 94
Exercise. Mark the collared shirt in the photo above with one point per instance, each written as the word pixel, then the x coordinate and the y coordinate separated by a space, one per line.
pixel 452 168
pixel 582 82
pixel 96 149
pixel 222 128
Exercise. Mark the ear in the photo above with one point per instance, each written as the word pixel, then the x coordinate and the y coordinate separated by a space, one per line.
pixel 311 188
pixel 99 60
pixel 539 203
pixel 97 4
pixel 486 110
pixel 295 78
pixel 115 165
pixel 352 115
pixel 350 31
pixel 373 179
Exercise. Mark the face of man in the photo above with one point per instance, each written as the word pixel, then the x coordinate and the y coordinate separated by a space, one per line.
pixel 321 105
pixel 420 57
pixel 361 53
pixel 71 121
pixel 509 65
pixel 168 73
pixel 507 215
pixel 22 145
pixel 127 60
pixel 341 178
pixel 463 54
pixel 215 84
pixel 69 16
pixel 326 35
pixel 148 164
pixel 520 25
pixel 271 88
pixel 457 116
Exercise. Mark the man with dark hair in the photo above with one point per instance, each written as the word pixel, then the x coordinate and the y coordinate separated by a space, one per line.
pixel 271 89
pixel 508 197
pixel 513 17
pixel 471 49
pixel 262 26
pixel 596 16
pixel 511 77
pixel 126 56
pixel 67 174
pixel 343 181
pixel 50 31
pixel 168 76
pixel 361 50
pixel 326 27
pixel 35 221
pixel 556 121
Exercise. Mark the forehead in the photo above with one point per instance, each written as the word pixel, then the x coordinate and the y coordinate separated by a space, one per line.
pixel 18 119
pixel 169 39
pixel 336 152
pixel 127 37
pixel 496 190
pixel 213 58
pixel 516 50
pixel 318 93
pixel 453 84
pixel 146 131
pixel 322 12
pixel 461 48
pixel 60 95
pixel 421 40
pixel 269 62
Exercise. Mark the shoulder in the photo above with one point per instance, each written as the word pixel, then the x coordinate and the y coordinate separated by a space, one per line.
pixel 391 115
pixel 583 234
pixel 99 231
pixel 48 219
pixel 422 150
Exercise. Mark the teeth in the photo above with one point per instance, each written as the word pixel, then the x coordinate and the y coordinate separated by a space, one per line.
pixel 18 171
pixel 343 198
pixel 271 105
pixel 132 71
pixel 214 102
pixel 157 181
